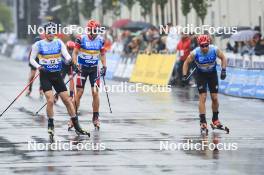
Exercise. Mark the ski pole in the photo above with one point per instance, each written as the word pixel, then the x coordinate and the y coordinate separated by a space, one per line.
pixel 107 95
pixel 191 73
pixel 19 95
pixel 54 94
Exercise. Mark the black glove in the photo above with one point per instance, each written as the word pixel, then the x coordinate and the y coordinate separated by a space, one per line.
pixel 75 68
pixel 103 71
pixel 223 74
pixel 42 69
pixel 184 78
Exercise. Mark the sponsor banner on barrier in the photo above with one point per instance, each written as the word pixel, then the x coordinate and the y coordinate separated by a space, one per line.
pixel 129 68
pixel 246 61
pixel 243 83
pixel 259 88
pixel 153 69
pixel 19 52
pixel 120 68
pixel 139 69
pixel 124 68
pixel 112 61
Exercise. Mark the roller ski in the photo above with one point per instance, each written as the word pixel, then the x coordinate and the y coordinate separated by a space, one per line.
pixel 217 125
pixel 51 131
pixel 96 122
pixel 77 127
pixel 203 129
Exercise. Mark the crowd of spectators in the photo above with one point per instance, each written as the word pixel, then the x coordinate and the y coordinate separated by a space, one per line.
pixel 255 46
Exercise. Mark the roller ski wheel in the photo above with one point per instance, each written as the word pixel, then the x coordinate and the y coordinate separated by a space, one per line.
pixel 203 130
pixel 96 122
pixel 217 125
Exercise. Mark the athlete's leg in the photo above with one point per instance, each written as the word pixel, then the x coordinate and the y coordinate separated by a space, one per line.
pixel 95 94
pixel 94 78
pixel 46 85
pixel 79 93
pixel 50 113
pixel 68 103
pixel 31 76
pixel 50 103
pixel 215 106
pixel 202 101
pixel 202 88
pixel 213 87
pixel 81 80
pixel 61 89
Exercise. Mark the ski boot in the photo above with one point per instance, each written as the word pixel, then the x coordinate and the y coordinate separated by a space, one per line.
pixel 217 125
pixel 77 127
pixel 96 121
pixel 51 131
pixel 204 130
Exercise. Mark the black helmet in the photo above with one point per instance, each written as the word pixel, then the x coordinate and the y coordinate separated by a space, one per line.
pixel 50 27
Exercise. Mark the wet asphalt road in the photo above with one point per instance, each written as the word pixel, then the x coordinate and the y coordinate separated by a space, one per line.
pixel 131 135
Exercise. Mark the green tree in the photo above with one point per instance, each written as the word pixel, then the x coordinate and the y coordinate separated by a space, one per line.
pixel 129 4
pixel 146 7
pixel 6 18
pixel 69 11
pixel 200 7
pixel 87 7
pixel 116 8
pixel 186 8
pixel 162 4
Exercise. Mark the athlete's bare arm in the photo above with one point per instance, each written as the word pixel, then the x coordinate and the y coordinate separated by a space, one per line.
pixel 222 57
pixel 74 55
pixel 186 64
pixel 103 60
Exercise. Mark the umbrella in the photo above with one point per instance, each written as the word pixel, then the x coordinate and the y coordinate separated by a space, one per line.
pixel 120 23
pixel 244 35
pixel 135 26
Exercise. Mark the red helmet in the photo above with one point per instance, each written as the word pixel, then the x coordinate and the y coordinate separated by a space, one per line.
pixel 203 39
pixel 70 44
pixel 92 24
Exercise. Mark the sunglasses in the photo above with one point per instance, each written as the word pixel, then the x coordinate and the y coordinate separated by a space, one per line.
pixel 204 45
